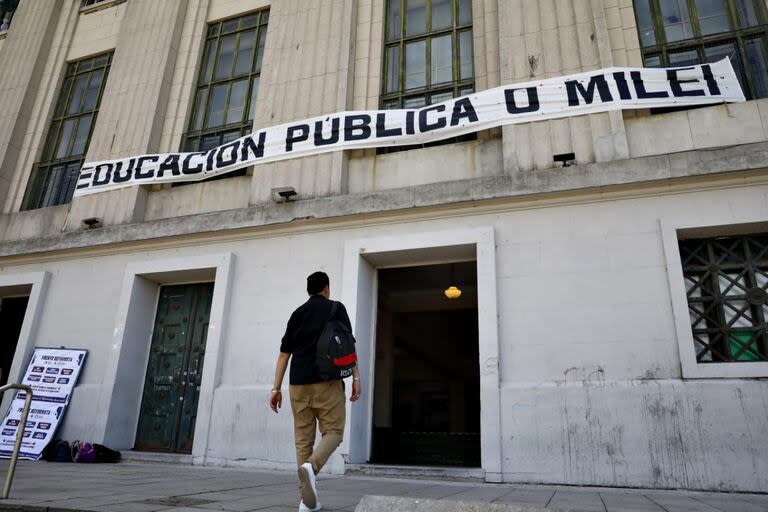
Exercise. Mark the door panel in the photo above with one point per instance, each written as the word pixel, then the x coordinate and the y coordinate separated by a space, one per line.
pixel 169 402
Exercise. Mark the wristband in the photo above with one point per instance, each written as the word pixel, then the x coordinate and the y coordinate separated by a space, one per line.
pixel 276 391
pixel 355 378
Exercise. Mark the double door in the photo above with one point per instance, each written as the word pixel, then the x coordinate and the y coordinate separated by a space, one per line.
pixel 175 369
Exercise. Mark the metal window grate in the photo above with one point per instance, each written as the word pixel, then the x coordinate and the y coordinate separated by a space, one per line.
pixel 53 178
pixel 726 283
pixel 228 83
pixel 676 33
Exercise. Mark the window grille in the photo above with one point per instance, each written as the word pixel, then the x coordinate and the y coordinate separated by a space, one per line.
pixel 726 282
pixel 228 83
pixel 677 33
pixel 53 178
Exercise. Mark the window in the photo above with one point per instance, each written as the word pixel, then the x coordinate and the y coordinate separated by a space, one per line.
pixel 225 98
pixel 53 179
pixel 7 8
pixel 686 32
pixel 726 280
pixel 86 3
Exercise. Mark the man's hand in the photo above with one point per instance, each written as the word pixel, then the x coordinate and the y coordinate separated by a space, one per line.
pixel 355 390
pixel 276 400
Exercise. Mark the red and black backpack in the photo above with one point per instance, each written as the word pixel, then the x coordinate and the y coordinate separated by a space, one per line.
pixel 335 349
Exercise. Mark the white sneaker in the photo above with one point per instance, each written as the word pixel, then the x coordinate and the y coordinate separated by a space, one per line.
pixel 304 508
pixel 308 486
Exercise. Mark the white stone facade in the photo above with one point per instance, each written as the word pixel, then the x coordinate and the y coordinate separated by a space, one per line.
pixel 586 355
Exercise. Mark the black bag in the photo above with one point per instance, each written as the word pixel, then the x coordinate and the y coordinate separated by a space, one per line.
pixel 104 454
pixel 335 349
pixel 49 452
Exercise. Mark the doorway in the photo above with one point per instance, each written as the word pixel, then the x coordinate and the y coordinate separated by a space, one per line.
pixel 426 400
pixel 175 368
pixel 12 311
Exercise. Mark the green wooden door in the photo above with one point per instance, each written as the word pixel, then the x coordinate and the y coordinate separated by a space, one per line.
pixel 174 371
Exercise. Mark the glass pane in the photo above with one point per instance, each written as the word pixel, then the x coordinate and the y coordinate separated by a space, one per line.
pixel 683 58
pixel 78 90
pixel 249 21
pixel 214 29
pixel 442 17
pixel 245 52
pixel 715 53
pixel 50 143
pixel 67 132
pixel 63 95
pixel 442 59
pixel 416 17
pixel 52 185
pixel 229 26
pixel 416 102
pixel 758 71
pixel 199 109
pixel 713 16
pixel 466 55
pixel 210 49
pixel 466 90
pixel 92 94
pixel 645 23
pixel 85 65
pixel 81 136
pixel 101 61
pixel 393 69
pixel 747 13
pixel 265 17
pixel 653 61
pixel 230 136
pixel 393 20
pixel 254 95
pixel 237 101
pixel 465 12
pixel 440 97
pixel 391 104
pixel 209 142
pixel 260 56
pixel 677 20
pixel 415 65
pixel 216 106
pixel 191 144
pixel 226 55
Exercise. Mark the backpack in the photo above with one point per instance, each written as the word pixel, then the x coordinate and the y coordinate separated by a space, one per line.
pixel 60 451
pixel 104 454
pixel 49 452
pixel 83 452
pixel 335 349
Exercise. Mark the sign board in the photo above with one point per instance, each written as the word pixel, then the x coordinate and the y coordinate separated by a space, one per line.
pixel 52 374
pixel 584 93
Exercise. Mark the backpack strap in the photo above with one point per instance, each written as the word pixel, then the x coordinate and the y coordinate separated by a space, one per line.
pixel 334 309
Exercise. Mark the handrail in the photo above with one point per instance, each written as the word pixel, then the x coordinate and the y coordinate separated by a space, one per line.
pixel 19 435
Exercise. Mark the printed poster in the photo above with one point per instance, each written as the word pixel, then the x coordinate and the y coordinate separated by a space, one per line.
pixel 52 374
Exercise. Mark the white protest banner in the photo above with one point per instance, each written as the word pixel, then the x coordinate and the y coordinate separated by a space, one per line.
pixel 583 93
pixel 52 374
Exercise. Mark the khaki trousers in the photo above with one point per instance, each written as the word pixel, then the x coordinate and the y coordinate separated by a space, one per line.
pixel 321 403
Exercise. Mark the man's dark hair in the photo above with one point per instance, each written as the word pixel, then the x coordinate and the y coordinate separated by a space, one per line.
pixel 317 282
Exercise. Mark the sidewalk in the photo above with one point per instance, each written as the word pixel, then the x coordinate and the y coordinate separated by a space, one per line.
pixel 147 487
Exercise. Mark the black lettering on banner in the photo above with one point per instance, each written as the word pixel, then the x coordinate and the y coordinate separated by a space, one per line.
pixel 595 82
pixel 425 125
pixel 232 147
pixel 139 173
pixel 381 128
pixel 463 108
pixel 533 101
pixel 209 159
pixel 676 84
pixel 250 147
pixel 714 89
pixel 333 139
pixel 621 83
pixel 357 123
pixel 171 163
pixel 82 180
pixel 410 118
pixel 296 133
pixel 97 180
pixel 118 176
pixel 642 93
pixel 187 169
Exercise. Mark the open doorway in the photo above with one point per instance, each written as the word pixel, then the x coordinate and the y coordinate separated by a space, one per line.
pixel 12 311
pixel 426 402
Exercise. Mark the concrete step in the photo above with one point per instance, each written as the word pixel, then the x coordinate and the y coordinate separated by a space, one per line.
pixel 417 472
pixel 390 503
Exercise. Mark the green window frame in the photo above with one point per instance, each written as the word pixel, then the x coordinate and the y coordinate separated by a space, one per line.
pixel 676 33
pixel 54 177
pixel 422 38
pixel 228 83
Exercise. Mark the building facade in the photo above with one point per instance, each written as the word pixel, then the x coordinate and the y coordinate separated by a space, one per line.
pixel 614 266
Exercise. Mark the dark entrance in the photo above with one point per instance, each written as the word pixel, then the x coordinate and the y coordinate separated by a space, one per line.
pixel 427 376
pixel 12 310
pixel 175 369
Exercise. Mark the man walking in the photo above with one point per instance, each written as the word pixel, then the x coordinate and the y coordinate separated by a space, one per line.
pixel 314 402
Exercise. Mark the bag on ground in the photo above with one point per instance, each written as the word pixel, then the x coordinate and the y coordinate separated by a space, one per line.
pixel 83 452
pixel 104 454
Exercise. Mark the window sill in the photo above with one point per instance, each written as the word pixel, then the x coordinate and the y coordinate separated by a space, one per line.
pixel 726 370
pixel 106 4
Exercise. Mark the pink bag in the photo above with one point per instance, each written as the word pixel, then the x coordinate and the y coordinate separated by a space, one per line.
pixel 83 452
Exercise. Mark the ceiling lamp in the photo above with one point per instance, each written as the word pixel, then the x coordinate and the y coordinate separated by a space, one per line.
pixel 453 292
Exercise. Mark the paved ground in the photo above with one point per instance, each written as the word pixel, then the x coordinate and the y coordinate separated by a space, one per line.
pixel 147 487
